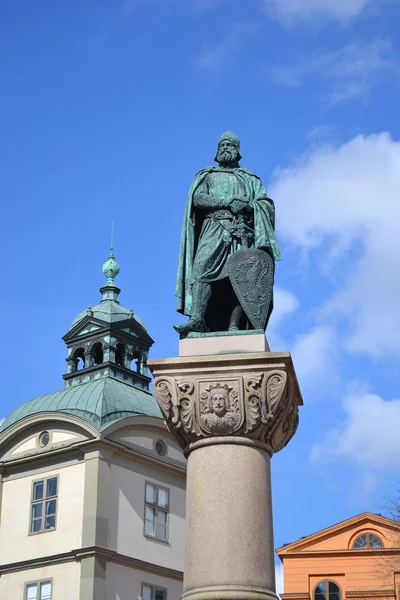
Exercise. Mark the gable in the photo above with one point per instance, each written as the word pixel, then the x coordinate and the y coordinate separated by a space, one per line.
pixel 140 435
pixel 29 440
pixel 84 327
pixel 342 536
pixel 130 331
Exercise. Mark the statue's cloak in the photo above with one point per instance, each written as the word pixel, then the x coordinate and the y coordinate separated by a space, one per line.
pixel 264 226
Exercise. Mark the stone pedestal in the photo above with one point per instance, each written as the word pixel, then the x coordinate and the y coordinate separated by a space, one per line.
pixel 230 413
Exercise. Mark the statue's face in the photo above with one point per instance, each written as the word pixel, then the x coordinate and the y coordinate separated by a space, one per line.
pixel 218 403
pixel 227 152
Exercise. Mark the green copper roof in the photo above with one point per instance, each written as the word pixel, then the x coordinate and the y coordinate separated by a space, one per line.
pixel 99 402
pixel 110 311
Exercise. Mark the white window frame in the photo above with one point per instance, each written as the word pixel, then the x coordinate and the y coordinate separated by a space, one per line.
pixel 154 589
pixel 43 502
pixel 157 508
pixel 39 583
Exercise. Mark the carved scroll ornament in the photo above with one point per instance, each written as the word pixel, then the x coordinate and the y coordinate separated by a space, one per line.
pixel 256 405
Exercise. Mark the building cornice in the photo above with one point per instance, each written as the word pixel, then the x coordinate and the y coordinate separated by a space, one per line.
pixel 343 552
pixel 89 552
pixel 369 593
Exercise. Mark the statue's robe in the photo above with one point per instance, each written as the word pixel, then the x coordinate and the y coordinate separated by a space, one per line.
pixel 206 243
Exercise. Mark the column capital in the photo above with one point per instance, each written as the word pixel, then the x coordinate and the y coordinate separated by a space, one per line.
pixel 248 398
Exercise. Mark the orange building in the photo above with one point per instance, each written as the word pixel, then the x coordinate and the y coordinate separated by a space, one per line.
pixel 357 558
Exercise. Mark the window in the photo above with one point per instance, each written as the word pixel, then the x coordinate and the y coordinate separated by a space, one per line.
pixel 160 447
pixel 367 540
pixel 44 439
pixel 38 591
pixel 150 592
pixel 156 512
pixel 44 505
pixel 327 590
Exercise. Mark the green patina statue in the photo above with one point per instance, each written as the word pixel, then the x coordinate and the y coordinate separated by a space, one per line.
pixel 228 248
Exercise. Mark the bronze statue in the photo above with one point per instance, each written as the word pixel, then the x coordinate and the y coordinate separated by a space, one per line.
pixel 228 248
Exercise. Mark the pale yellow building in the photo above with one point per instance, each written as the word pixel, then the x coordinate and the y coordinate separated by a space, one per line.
pixel 92 484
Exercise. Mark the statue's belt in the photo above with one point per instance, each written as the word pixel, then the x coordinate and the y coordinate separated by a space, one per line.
pixel 238 225
pixel 220 214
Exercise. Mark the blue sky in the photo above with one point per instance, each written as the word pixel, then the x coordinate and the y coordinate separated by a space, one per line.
pixel 108 109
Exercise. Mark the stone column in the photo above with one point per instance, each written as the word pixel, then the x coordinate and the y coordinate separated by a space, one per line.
pixel 230 413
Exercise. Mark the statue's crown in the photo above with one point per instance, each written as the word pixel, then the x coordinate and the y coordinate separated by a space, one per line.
pixel 218 387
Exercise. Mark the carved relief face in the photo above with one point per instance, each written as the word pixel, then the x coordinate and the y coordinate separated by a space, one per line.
pixel 219 403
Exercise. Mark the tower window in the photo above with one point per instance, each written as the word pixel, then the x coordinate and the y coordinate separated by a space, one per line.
pixel 97 354
pixel 136 362
pixel 120 355
pixel 367 540
pixel 79 359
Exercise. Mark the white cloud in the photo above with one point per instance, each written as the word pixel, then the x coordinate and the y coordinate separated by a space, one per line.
pixel 367 436
pixel 342 204
pixel 279 579
pixel 285 303
pixel 314 356
pixel 349 72
pixel 314 352
pixel 290 12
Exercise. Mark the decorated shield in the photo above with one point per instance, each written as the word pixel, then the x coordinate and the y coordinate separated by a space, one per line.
pixel 251 272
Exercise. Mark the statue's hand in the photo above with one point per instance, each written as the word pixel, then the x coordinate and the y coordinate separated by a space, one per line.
pixel 238 205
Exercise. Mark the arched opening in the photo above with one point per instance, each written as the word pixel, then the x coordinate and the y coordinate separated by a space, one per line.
pixel 79 359
pixel 97 354
pixel 136 362
pixel 327 590
pixel 120 355
pixel 367 540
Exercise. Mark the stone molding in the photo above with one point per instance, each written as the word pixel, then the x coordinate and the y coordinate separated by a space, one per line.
pixel 229 592
pixel 88 552
pixel 253 396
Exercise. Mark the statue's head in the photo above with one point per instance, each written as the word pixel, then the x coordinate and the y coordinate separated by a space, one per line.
pixel 228 151
pixel 219 400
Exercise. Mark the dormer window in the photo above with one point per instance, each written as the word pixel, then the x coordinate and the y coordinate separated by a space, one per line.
pixel 367 540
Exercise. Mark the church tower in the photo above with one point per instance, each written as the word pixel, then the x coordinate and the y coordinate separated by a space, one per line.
pixel 92 484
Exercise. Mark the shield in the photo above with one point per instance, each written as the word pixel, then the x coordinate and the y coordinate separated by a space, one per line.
pixel 251 273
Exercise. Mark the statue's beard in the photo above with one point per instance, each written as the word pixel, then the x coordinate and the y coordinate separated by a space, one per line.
pixel 227 157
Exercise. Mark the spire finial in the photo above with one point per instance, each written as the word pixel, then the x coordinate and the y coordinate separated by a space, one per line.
pixel 111 267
